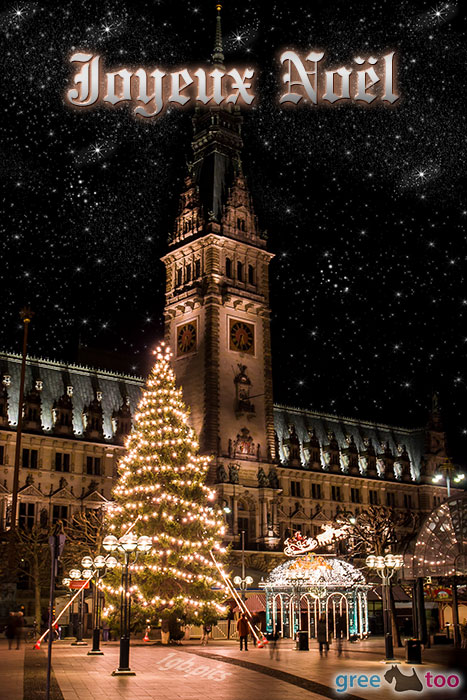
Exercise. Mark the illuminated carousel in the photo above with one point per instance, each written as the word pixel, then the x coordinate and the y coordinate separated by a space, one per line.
pixel 300 590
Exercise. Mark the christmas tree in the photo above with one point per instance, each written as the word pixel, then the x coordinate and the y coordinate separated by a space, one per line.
pixel 161 493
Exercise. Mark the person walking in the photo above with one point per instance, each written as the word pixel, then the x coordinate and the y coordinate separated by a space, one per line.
pixel 10 629
pixel 273 645
pixel 322 636
pixel 19 622
pixel 242 628
pixel 205 635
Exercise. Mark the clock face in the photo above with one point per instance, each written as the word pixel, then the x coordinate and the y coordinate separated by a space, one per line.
pixel 186 338
pixel 242 336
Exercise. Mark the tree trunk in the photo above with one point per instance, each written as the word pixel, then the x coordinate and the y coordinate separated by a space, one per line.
pixel 37 591
pixel 396 635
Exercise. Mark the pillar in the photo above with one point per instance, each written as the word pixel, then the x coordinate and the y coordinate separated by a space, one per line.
pixel 455 615
pixel 421 615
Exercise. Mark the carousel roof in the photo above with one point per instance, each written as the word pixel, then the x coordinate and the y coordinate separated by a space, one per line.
pixel 315 570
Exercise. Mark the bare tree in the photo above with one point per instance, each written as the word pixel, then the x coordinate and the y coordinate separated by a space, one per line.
pixel 33 561
pixel 85 532
pixel 378 530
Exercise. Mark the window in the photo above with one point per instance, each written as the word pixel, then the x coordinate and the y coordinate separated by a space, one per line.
pixel 295 488
pixel 316 490
pixel 2 454
pixel 374 500
pixel 407 500
pixel 355 496
pixel 390 499
pixel 197 269
pixel 228 267
pixel 188 273
pixel 336 493
pixel 240 271
pixel 179 277
pixel 93 466
pixel 32 414
pixel 59 513
pixel 241 224
pixel 62 462
pixel 26 515
pixel 29 459
pixel 436 500
pixel 251 274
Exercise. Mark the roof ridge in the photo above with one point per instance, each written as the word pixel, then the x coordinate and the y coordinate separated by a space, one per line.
pixel 69 365
pixel 347 419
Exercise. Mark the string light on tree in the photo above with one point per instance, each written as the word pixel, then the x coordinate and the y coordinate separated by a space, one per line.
pixel 161 490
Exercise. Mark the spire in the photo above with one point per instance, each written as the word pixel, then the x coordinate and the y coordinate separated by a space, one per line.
pixel 218 53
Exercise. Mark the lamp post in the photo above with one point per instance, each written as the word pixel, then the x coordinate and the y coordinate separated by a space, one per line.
pixel 100 564
pixel 127 544
pixel 385 567
pixel 448 471
pixel 77 575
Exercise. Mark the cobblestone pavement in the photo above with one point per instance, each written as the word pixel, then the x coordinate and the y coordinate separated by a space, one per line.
pixel 216 672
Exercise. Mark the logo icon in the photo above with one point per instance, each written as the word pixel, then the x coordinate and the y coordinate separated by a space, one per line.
pixel 403 683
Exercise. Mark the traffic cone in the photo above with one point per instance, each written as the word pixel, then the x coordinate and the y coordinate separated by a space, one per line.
pixel 146 636
pixel 37 645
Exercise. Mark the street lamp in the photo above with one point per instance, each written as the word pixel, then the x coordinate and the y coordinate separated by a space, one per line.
pixel 127 544
pixel 100 565
pixel 448 471
pixel 78 575
pixel 385 567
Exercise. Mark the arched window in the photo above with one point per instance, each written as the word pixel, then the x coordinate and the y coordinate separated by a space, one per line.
pixel 240 271
pixel 251 274
pixel 228 267
pixel 241 224
pixel 197 269
pixel 188 273
pixel 179 277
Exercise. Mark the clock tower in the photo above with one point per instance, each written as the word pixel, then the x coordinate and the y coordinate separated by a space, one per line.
pixel 217 313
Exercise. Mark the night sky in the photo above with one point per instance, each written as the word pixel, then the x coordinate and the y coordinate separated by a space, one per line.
pixel 365 208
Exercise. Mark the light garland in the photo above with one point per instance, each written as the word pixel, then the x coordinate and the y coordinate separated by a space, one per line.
pixel 161 479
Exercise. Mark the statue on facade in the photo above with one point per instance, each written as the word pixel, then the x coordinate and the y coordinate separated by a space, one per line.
pixel 242 389
pixel 221 474
pixel 263 481
pixel 273 479
pixel 233 473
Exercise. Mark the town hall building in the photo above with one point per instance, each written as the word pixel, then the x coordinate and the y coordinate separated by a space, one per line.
pixel 276 468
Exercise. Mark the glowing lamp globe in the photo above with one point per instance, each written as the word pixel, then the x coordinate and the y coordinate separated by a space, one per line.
pixel 379 562
pixel 237 580
pixel 86 562
pixel 99 562
pixel 144 543
pixel 66 581
pixel 110 543
pixel 399 561
pixel 111 562
pixel 87 573
pixel 75 574
pixel 128 543
pixel 390 561
pixel 249 580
